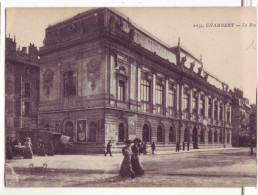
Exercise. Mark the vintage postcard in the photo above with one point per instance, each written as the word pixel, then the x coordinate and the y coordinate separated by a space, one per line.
pixel 130 97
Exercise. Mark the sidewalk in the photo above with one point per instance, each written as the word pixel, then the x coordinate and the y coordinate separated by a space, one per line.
pixel 92 162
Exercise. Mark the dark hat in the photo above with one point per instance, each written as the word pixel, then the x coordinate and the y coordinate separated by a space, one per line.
pixel 137 140
pixel 128 141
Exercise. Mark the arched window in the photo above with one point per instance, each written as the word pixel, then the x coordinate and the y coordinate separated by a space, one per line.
pixel 210 137
pixel 186 135
pixel 160 134
pixel 145 133
pixel 202 136
pixel 92 132
pixel 216 137
pixel 47 127
pixel 121 133
pixel 220 136
pixel 171 135
pixel 69 129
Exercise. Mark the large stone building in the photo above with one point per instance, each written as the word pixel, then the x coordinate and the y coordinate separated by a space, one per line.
pixel 241 119
pixel 21 87
pixel 102 78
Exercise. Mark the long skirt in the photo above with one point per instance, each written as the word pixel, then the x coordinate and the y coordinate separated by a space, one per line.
pixel 126 168
pixel 27 153
pixel 136 166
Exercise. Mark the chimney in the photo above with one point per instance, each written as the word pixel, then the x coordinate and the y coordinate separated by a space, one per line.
pixel 24 50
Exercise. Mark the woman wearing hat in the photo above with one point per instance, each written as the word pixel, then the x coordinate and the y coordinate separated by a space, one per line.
pixel 126 167
pixel 136 166
pixel 27 153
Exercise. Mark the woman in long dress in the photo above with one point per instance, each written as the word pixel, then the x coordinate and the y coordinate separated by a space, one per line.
pixel 126 166
pixel 136 166
pixel 27 153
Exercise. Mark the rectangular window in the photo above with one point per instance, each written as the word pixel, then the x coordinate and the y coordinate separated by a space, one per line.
pixel 210 108
pixel 202 106
pixel 26 108
pixel 171 98
pixel 145 90
pixel 194 108
pixel 121 91
pixel 221 112
pixel 27 89
pixel 159 95
pixel 186 102
pixel 216 111
pixel 70 84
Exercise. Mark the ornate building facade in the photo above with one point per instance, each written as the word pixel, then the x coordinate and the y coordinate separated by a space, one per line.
pixel 102 78
pixel 21 87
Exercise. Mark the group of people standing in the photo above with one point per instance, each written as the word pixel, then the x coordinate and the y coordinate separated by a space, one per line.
pixel 26 150
pixel 17 149
pixel 131 166
pixel 178 147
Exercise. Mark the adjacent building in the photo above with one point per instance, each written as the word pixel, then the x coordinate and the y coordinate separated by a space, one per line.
pixel 102 78
pixel 21 87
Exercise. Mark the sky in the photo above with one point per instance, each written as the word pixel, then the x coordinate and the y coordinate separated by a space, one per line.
pixel 227 52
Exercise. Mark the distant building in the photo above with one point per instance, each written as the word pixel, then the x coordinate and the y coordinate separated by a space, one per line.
pixel 102 78
pixel 21 87
pixel 241 119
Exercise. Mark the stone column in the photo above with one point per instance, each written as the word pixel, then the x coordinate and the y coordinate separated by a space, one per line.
pixel 226 114
pixel 190 105
pixel 139 84
pixel 198 104
pixel 182 99
pixel 218 110
pixel 223 111
pixel 212 109
pixel 230 115
pixel 166 95
pixel 177 98
pixel 153 91
pixel 206 106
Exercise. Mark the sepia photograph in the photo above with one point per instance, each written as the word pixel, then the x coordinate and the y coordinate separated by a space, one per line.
pixel 130 97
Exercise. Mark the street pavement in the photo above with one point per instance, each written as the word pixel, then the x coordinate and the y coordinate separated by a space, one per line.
pixel 224 167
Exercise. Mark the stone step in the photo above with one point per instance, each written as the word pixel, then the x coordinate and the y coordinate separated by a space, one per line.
pixel 90 148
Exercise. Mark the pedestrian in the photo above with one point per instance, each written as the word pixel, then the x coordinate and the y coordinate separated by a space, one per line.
pixel 177 147
pixel 27 153
pixel 136 166
pixel 188 146
pixel 144 148
pixel 183 146
pixel 41 149
pixel 126 166
pixel 140 146
pixel 153 147
pixel 50 148
pixel 109 145
pixel 8 148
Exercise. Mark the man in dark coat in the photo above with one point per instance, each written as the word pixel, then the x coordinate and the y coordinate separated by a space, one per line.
pixel 188 146
pixel 183 145
pixel 153 147
pixel 109 145
pixel 177 147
